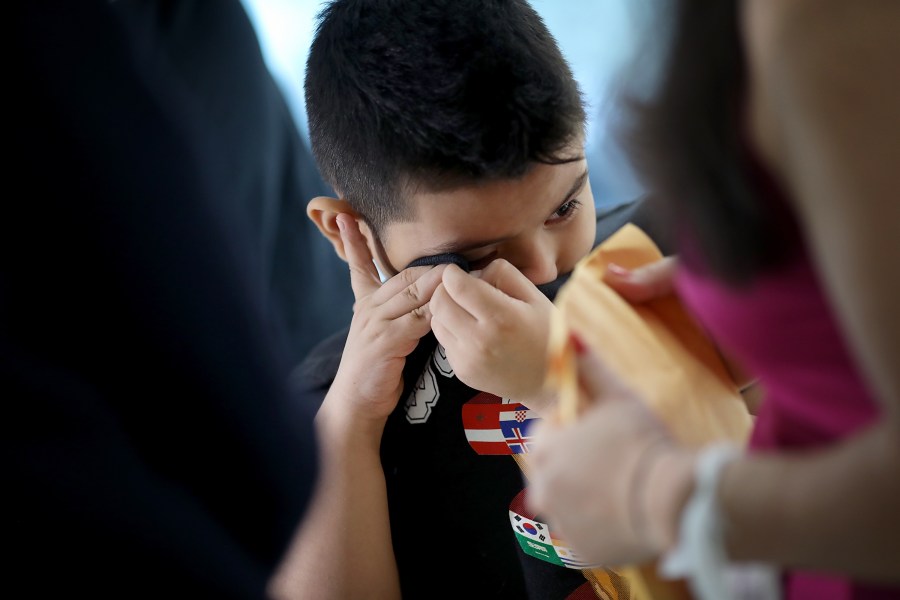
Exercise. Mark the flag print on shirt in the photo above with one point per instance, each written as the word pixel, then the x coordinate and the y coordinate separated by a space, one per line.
pixel 536 539
pixel 515 425
pixel 497 426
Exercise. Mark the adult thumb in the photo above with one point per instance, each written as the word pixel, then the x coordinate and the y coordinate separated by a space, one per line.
pixel 645 283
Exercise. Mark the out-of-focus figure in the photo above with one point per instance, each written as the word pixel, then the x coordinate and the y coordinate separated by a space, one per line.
pixel 772 140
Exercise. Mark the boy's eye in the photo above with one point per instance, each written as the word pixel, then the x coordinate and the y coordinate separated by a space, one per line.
pixel 565 211
pixel 476 264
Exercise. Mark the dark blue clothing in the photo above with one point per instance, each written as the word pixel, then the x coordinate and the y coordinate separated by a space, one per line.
pixel 207 56
pixel 149 438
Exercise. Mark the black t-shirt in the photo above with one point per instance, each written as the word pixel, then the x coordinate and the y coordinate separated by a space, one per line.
pixel 449 505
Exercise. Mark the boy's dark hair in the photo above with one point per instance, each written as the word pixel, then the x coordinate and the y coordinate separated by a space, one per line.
pixel 431 95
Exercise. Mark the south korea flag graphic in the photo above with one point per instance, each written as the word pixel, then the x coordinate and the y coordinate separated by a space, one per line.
pixel 537 540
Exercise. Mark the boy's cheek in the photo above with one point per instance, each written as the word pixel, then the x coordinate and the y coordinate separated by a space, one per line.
pixel 581 242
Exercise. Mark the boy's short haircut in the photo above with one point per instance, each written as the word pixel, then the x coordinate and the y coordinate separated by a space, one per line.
pixel 406 95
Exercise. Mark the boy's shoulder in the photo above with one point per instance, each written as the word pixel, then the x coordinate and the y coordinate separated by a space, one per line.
pixel 315 374
pixel 638 212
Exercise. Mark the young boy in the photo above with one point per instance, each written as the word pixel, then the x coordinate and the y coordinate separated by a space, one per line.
pixel 448 127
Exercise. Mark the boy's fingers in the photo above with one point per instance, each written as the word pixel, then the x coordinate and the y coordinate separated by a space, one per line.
pixel 478 298
pixel 398 283
pixel 364 277
pixel 414 324
pixel 446 337
pixel 417 291
pixel 509 280
pixel 450 316
pixel 644 283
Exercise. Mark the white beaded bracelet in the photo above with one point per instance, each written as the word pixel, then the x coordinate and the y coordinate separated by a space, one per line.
pixel 700 555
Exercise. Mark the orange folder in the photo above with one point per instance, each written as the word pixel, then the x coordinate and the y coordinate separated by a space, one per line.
pixel 659 350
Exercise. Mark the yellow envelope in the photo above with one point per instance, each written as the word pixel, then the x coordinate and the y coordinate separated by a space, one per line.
pixel 659 350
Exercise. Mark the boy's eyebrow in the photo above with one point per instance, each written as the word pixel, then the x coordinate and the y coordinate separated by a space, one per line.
pixel 456 248
pixel 576 186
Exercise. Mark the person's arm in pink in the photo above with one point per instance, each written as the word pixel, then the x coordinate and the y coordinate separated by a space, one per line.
pixel 824 95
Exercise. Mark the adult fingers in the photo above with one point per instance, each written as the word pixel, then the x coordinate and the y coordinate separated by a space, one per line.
pixel 544 470
pixel 596 378
pixel 363 275
pixel 542 433
pixel 651 281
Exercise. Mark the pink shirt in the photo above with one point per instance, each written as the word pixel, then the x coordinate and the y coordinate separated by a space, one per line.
pixel 782 330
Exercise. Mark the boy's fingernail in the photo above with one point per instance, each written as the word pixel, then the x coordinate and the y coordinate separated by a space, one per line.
pixel 475 274
pixel 577 343
pixel 618 270
pixel 340 225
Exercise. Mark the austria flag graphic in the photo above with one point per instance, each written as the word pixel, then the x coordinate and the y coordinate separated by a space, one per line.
pixel 496 426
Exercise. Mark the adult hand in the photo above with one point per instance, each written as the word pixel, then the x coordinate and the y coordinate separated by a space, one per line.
pixel 657 280
pixel 388 321
pixel 494 327
pixel 645 283
pixel 614 483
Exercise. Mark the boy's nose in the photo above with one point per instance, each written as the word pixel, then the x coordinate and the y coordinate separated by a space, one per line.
pixel 538 264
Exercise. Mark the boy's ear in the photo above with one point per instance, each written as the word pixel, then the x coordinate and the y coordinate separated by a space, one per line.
pixel 323 211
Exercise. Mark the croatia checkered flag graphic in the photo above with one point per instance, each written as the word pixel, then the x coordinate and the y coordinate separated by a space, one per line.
pixel 495 426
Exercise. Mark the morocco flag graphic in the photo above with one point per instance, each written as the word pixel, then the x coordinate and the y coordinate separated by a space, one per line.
pixel 497 426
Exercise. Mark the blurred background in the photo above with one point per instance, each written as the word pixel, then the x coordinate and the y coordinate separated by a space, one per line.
pixel 596 36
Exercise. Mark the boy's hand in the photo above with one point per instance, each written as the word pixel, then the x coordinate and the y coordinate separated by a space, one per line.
pixel 388 321
pixel 495 327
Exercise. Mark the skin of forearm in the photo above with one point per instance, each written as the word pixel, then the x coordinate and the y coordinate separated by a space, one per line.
pixel 343 547
pixel 835 509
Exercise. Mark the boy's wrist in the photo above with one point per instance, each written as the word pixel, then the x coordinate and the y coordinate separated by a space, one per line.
pixel 340 425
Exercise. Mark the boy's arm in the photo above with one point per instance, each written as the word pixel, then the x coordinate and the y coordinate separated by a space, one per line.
pixel 343 548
